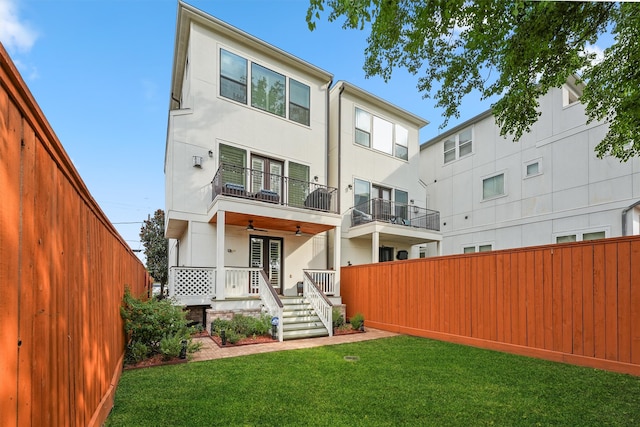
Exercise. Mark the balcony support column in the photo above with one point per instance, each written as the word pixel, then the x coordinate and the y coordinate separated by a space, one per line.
pixel 337 244
pixel 220 252
pixel 375 247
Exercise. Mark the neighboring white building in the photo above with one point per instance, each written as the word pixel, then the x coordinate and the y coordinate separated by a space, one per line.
pixel 375 164
pixel 493 193
pixel 262 163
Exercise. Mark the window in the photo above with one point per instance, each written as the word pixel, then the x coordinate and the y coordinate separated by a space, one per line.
pixel 401 205
pixel 477 248
pixel 402 143
pixel 457 146
pixel 580 236
pixel 361 195
pixel 234 160
pixel 381 135
pixel 363 128
pixel 493 187
pixel 267 90
pixel 299 102
pixel 298 183
pixel 569 96
pixel 233 76
pixel 533 169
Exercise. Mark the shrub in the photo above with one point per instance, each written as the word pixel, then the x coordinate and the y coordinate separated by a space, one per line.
pixel 357 320
pixel 171 346
pixel 147 322
pixel 337 318
pixel 233 336
pixel 243 325
pixel 137 352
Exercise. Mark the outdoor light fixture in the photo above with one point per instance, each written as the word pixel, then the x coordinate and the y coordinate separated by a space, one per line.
pixel 349 187
pixel 210 153
pixel 298 232
pixel 250 226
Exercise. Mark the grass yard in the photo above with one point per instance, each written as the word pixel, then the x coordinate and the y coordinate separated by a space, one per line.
pixel 395 381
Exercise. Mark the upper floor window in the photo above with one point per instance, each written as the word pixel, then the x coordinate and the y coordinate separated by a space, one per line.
pixel 580 236
pixel 457 146
pixel 299 102
pixel 477 248
pixel 380 134
pixel 267 90
pixel 233 76
pixel 493 187
pixel 569 96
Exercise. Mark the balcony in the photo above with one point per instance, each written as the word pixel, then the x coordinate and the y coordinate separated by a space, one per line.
pixel 391 212
pixel 246 183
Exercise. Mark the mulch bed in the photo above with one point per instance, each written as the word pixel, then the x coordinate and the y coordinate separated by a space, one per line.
pixel 156 360
pixel 347 331
pixel 263 339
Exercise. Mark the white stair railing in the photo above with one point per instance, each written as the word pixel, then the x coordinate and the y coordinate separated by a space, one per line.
pixel 271 301
pixel 324 279
pixel 319 302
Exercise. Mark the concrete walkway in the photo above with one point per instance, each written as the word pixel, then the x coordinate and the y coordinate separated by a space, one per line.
pixel 210 349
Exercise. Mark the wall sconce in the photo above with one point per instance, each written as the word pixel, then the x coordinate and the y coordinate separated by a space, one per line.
pixel 315 178
pixel 411 201
pixel 349 187
pixel 197 161
pixel 210 153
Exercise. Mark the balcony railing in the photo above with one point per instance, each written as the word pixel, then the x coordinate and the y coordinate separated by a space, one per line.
pixel 395 213
pixel 236 181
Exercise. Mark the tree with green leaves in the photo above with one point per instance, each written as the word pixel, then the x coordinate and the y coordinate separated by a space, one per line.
pixel 514 50
pixel 156 248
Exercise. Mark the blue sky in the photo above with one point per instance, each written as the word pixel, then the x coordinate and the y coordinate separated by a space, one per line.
pixel 100 71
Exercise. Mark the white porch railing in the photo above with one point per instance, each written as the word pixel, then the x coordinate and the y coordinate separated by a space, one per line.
pixel 325 279
pixel 192 285
pixel 319 302
pixel 241 282
pixel 271 301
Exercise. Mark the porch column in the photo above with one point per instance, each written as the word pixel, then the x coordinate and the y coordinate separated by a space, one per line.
pixel 337 244
pixel 220 251
pixel 375 247
pixel 439 247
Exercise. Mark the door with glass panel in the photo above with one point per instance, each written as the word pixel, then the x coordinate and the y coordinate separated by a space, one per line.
pixel 266 178
pixel 266 253
pixel 382 203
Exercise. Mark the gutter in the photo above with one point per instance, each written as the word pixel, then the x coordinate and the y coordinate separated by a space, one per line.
pixel 624 216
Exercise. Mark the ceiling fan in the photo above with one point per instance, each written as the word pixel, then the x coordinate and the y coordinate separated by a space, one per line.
pixel 250 227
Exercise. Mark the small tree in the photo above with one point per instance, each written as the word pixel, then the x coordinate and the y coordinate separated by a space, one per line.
pixel 156 248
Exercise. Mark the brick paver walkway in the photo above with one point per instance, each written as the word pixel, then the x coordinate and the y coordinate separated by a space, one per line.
pixel 210 349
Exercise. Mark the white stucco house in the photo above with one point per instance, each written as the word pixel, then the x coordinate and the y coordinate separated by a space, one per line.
pixel 493 193
pixel 266 162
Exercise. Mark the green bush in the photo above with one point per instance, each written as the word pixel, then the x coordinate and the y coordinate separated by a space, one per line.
pixel 357 320
pixel 242 326
pixel 137 352
pixel 171 346
pixel 147 322
pixel 233 337
pixel 337 317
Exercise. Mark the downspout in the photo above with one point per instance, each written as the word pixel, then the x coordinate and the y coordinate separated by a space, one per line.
pixel 327 166
pixel 624 216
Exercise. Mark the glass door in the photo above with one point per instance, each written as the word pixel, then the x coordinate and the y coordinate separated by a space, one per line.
pixel 266 253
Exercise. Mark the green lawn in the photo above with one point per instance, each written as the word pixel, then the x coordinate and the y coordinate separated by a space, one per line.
pixel 395 381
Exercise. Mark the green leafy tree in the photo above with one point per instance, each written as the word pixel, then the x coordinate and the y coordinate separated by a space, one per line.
pixel 513 50
pixel 156 248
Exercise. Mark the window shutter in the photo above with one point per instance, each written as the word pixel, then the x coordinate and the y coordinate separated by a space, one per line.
pixel 234 160
pixel 298 184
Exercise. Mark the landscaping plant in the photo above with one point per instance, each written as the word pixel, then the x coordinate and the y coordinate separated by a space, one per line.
pixel 154 327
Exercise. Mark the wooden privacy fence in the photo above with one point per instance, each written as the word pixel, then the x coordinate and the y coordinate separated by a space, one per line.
pixel 63 270
pixel 577 303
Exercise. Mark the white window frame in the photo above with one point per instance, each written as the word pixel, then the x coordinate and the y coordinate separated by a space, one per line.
pixel 476 247
pixel 456 146
pixel 569 97
pixel 504 186
pixel 525 169
pixel 579 234
pixel 376 121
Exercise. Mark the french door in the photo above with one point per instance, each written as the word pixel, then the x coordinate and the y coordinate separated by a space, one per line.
pixel 266 174
pixel 382 203
pixel 266 253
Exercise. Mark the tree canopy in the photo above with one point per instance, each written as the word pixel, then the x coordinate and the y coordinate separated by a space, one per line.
pixel 515 50
pixel 155 247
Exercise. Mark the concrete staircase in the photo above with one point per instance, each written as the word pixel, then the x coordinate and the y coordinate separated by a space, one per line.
pixel 300 320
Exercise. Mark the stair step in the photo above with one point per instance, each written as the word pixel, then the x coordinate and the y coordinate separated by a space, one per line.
pixel 301 319
pixel 305 333
pixel 303 325
pixel 291 307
